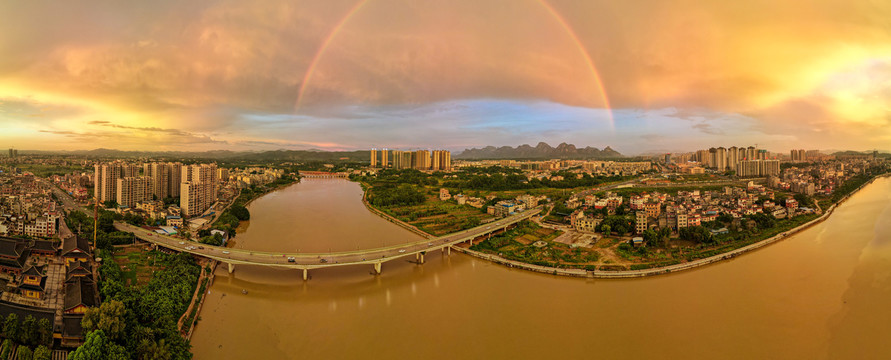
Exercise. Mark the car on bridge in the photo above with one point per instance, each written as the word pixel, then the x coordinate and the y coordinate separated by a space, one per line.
pixel 401 250
pixel 291 259
pixel 323 261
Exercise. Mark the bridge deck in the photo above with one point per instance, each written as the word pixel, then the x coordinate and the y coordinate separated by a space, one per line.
pixel 314 260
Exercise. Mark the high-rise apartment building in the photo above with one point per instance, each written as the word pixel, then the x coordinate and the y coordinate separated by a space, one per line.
pixel 720 159
pixel 385 161
pixel 732 157
pixel 421 160
pixel 190 199
pixel 373 158
pixel 758 168
pixel 105 181
pixel 174 179
pixel 130 190
pixel 160 179
pixel 436 157
pixel 199 187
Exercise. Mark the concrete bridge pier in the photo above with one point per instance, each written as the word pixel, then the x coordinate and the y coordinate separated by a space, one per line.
pixel 377 268
pixel 449 250
pixel 231 267
pixel 421 257
pixel 305 274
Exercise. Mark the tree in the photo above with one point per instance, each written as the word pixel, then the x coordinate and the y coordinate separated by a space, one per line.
pixel 42 353
pixel 23 353
pixel 240 212
pixel 804 200
pixel 7 349
pixel 605 229
pixel 108 317
pixel 45 332
pixel 152 350
pixel 652 238
pixel 98 347
pixel 29 333
pixel 11 326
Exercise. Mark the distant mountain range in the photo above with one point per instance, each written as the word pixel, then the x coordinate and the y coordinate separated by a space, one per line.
pixel 540 151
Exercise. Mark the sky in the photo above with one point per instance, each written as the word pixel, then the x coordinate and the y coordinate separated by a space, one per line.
pixel 638 76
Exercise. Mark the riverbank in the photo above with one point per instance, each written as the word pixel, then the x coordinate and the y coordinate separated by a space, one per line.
pixel 188 321
pixel 391 219
pixel 601 274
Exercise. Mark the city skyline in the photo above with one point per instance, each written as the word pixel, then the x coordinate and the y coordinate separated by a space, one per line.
pixel 348 75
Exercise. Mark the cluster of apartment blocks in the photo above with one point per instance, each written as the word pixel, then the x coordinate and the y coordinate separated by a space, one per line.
pixel 541 169
pixel 687 208
pixel 27 208
pixel 195 185
pixel 745 161
pixel 436 160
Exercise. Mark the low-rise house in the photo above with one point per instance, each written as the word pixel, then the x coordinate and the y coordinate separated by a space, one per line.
pixel 33 283
pixel 505 208
pixel 13 255
pixel 45 248
pixel 76 248
pixel 175 221
pixel 80 294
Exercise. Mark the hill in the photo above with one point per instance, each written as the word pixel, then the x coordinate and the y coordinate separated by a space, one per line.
pixel 540 151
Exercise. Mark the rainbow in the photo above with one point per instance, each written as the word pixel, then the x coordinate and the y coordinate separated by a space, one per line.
pixel 595 75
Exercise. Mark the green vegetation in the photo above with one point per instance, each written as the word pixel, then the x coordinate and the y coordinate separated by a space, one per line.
pixel 191 318
pixel 617 224
pixel 147 326
pixel 497 178
pixel 519 244
pixel 391 195
pixel 24 335
pixel 106 235
pixel 240 212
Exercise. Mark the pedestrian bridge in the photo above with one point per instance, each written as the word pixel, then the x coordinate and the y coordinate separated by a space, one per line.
pixel 307 261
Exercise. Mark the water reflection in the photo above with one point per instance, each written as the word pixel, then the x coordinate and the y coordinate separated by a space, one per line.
pixel 823 293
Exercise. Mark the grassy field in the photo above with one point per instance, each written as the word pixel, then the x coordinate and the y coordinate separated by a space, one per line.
pixel 439 217
pixel 137 264
pixel 533 244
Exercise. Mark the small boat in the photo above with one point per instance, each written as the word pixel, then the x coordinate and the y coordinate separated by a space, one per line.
pixel 243 291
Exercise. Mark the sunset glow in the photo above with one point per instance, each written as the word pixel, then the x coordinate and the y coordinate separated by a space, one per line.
pixel 228 75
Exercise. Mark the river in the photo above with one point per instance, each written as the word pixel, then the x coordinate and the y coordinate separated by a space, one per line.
pixel 824 293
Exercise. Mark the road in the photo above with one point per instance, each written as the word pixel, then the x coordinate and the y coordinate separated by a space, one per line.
pixel 315 260
pixel 68 202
